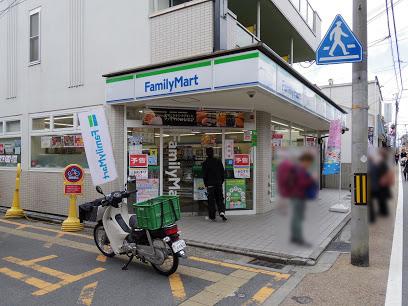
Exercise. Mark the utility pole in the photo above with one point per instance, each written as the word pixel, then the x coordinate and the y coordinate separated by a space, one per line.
pixel 359 211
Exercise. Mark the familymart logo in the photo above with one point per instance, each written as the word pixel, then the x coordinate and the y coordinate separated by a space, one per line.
pixel 92 121
pixel 99 144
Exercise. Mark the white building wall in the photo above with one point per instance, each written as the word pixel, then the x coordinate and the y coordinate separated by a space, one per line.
pixel 80 41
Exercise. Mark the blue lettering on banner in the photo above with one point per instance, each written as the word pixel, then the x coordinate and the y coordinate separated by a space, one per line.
pixel 170 85
pixel 101 154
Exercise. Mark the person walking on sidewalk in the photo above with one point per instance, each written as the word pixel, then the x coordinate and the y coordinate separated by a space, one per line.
pixel 296 183
pixel 405 171
pixel 396 158
pixel 213 176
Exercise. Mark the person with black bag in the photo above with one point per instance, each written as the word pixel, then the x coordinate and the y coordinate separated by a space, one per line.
pixel 213 176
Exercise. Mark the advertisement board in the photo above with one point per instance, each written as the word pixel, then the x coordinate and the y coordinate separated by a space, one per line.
pixel 200 192
pixel 98 146
pixel 235 193
pixel 147 189
pixel 138 160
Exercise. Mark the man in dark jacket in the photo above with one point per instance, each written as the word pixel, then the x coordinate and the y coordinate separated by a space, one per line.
pixel 213 175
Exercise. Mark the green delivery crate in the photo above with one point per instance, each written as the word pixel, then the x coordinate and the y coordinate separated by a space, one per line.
pixel 158 212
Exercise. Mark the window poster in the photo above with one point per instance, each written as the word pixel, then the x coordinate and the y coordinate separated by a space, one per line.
pixel 13 159
pixel 69 141
pixel 229 149
pixel 147 189
pixel 7 159
pixel 2 158
pixel 9 148
pixel 200 192
pixel 56 142
pixel 46 142
pixel 79 143
pixel 1 148
pixel 235 192
pixel 153 157
pixel 17 150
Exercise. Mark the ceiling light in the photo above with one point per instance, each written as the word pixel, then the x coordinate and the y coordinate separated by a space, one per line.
pixel 280 123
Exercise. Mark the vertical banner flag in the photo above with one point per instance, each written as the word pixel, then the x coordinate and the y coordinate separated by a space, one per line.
pixel 332 159
pixel 98 146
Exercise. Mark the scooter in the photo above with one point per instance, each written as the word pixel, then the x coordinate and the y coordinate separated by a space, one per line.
pixel 116 233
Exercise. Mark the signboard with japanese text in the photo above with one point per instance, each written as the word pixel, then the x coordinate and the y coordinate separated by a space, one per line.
pixel 138 160
pixel 139 173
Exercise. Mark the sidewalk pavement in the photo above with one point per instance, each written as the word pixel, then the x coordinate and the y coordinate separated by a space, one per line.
pixel 344 284
pixel 267 235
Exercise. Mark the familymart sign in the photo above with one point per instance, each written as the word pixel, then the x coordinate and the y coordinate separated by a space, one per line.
pixel 182 79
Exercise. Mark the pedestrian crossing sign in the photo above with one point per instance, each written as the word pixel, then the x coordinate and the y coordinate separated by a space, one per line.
pixel 339 45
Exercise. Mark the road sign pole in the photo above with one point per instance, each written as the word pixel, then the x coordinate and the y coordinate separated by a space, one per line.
pixel 359 211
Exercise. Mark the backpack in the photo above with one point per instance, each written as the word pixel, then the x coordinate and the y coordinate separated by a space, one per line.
pixel 286 178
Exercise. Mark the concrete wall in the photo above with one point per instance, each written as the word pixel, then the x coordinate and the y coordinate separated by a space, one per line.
pixel 78 45
pixel 182 31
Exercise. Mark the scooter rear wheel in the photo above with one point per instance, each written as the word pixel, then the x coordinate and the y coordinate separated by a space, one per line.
pixel 102 241
pixel 170 264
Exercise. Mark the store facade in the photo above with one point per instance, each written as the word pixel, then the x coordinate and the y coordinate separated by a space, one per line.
pixel 232 101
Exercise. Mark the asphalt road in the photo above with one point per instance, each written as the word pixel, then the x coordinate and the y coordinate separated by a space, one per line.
pixel 39 265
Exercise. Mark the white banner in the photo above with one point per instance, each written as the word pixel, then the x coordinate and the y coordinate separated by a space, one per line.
pixel 98 146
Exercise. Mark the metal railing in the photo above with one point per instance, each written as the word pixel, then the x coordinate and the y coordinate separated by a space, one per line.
pixel 244 37
pixel 306 12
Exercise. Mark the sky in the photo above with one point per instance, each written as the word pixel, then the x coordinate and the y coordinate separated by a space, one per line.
pixel 380 62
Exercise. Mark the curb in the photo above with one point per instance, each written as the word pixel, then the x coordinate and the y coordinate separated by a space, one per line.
pixel 269 256
pixel 56 219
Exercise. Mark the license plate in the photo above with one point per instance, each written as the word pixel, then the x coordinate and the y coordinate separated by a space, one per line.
pixel 178 246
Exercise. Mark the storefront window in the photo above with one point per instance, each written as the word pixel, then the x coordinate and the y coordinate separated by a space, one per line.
pixel 10 152
pixel 41 123
pixel 1 127
pixel 63 122
pixel 13 126
pixel 144 162
pixel 57 151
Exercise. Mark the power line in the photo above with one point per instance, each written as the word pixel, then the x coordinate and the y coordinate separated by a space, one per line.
pixel 396 42
pixel 382 12
pixel 392 48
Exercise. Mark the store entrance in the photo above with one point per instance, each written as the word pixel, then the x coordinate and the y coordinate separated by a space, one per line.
pixel 183 155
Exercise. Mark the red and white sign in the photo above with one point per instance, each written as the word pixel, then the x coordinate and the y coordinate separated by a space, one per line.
pixel 242 160
pixel 138 160
pixel 73 189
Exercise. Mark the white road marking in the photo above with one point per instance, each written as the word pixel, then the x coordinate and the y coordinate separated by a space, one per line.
pixel 394 286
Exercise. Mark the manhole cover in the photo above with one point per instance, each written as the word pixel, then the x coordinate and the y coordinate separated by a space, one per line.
pixel 302 299
pixel 268 264
pixel 339 246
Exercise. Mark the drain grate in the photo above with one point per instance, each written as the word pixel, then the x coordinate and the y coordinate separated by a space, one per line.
pixel 268 264
pixel 339 246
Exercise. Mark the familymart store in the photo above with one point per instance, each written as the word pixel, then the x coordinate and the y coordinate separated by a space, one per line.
pixel 227 100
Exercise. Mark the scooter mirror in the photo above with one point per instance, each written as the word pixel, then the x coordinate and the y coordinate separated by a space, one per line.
pixel 99 190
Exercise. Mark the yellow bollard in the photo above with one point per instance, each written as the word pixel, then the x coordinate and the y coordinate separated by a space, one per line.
pixel 15 211
pixel 72 224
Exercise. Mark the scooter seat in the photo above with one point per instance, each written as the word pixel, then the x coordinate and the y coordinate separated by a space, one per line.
pixel 133 222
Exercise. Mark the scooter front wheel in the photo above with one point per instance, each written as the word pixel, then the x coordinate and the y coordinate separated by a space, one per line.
pixel 102 241
pixel 170 264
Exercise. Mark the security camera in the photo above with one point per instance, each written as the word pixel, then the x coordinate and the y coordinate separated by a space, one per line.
pixel 251 94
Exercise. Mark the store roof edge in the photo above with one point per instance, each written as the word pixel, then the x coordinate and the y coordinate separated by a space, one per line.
pixel 259 46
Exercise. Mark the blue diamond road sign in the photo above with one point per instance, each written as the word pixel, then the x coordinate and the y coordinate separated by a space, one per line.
pixel 339 45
